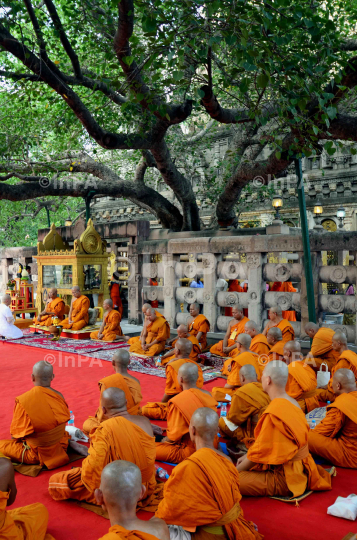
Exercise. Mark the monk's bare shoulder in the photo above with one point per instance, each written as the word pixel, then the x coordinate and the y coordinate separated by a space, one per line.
pixel 142 422
pixel 134 378
pixel 206 392
pixel 160 528
pixel 56 392
pixel 292 400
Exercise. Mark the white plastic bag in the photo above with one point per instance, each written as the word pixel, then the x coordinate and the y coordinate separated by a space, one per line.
pixel 323 377
pixel 344 507
pixel 76 434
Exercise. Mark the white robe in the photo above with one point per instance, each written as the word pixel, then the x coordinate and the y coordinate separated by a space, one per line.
pixel 8 330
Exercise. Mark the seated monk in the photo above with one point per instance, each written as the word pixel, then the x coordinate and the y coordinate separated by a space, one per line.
pixel 158 410
pixel 26 523
pixel 321 347
pixel 143 334
pixel 199 326
pixel 278 463
pixel 157 332
pixel 78 312
pixel 276 343
pixel 347 359
pixel 38 424
pixel 182 333
pixel 335 438
pixel 110 329
pixel 276 320
pixel 236 326
pixel 54 309
pixel 285 286
pixel 302 383
pixel 120 436
pixel 177 446
pixel 248 403
pixel 121 379
pixel 202 493
pixel 120 490
pixel 244 356
pixel 259 344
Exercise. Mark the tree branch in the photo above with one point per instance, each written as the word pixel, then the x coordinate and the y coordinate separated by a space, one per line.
pixel 224 116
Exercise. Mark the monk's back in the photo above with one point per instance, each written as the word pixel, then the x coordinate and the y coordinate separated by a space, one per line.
pixel 142 422
pixel 45 407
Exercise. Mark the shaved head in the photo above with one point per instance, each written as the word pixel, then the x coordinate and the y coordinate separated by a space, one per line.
pixel 344 381
pixel 204 424
pixel 182 328
pixel 53 292
pixel 251 325
pixel 109 302
pixel 121 358
pixel 275 333
pixel 293 346
pixel 278 373
pixel 340 337
pixel 76 288
pixel 189 373
pixel 195 305
pixel 292 351
pixel 247 374
pixel 145 307
pixel 277 310
pixel 245 340
pixel 184 346
pixel 311 326
pixel 6 299
pixel 113 399
pixel 121 483
pixel 42 373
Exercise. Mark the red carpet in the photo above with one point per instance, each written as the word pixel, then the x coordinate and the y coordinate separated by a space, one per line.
pixel 78 383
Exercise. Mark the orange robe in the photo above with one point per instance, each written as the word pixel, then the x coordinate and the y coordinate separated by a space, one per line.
pixel 39 420
pixel 302 386
pixel 115 297
pixel 79 315
pixel 179 412
pixel 137 339
pixel 56 306
pixel 321 348
pixel 112 328
pixel 204 490
pixel 286 329
pixel 285 286
pixel 116 438
pixel 131 388
pixel 119 533
pixel 260 345
pixel 26 523
pixel 200 324
pixel 275 353
pixel 241 359
pixel 196 350
pixel 335 438
pixel 248 404
pixel 347 360
pixel 284 466
pixel 236 329
pixel 158 329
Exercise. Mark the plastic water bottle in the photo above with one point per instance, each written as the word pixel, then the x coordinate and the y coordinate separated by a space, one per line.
pixel 71 419
pixel 329 403
pixel 219 405
pixel 313 424
pixel 224 409
pixel 161 473
pixel 158 362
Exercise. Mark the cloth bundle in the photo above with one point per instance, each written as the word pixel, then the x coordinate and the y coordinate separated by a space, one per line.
pixel 344 507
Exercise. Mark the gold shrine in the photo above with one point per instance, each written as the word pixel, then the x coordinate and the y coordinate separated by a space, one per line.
pixel 62 267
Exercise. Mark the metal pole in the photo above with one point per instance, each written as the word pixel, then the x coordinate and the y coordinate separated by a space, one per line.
pixel 305 242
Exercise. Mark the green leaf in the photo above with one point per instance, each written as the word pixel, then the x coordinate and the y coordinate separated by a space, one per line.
pixel 278 155
pixel 149 25
pixel 128 60
pixel 262 80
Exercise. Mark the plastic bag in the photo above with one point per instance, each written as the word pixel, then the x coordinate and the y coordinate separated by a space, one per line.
pixel 323 377
pixel 344 507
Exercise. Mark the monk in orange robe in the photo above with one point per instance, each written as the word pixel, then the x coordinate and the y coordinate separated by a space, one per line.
pixel 182 333
pixel 121 379
pixel 347 360
pixel 78 313
pixel 278 463
pixel 54 309
pixel 158 331
pixel 120 490
pixel 302 383
pixel 248 403
pixel 114 288
pixel 276 319
pixel 38 424
pixel 321 347
pixel 335 438
pixel 177 445
pixel 276 343
pixel 236 326
pixel 202 494
pixel 244 356
pixel 199 326
pixel 285 286
pixel 120 436
pixel 26 523
pixel 110 329
pixel 143 333
pixel 234 286
pixel 259 344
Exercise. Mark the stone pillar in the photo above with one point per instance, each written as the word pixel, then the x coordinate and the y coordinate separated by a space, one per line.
pixel 256 287
pixel 169 289
pixel 210 308
pixel 135 284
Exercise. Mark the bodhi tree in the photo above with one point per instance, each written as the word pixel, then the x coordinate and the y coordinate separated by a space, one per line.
pixel 121 75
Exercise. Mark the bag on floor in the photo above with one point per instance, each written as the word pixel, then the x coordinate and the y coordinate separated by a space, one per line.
pixel 317 414
pixel 323 377
pixel 344 507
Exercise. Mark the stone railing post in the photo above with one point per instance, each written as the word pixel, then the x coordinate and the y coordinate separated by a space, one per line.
pixel 210 307
pixel 135 284
pixel 256 287
pixel 169 288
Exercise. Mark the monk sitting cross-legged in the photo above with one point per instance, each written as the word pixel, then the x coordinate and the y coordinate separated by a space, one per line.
pixel 38 424
pixel 278 463
pixel 321 347
pixel 248 403
pixel 276 343
pixel 120 490
pixel 335 438
pixel 243 356
pixel 158 410
pixel 302 383
pixel 26 523
pixel 202 494
pixel 143 334
pixel 78 313
pixel 182 333
pixel 121 379
pixel 199 326
pixel 285 286
pixel 119 436
pixel 259 344
pixel 158 331
pixel 236 326
pixel 276 320
pixel 110 329
pixel 55 307
pixel 347 359
pixel 177 446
